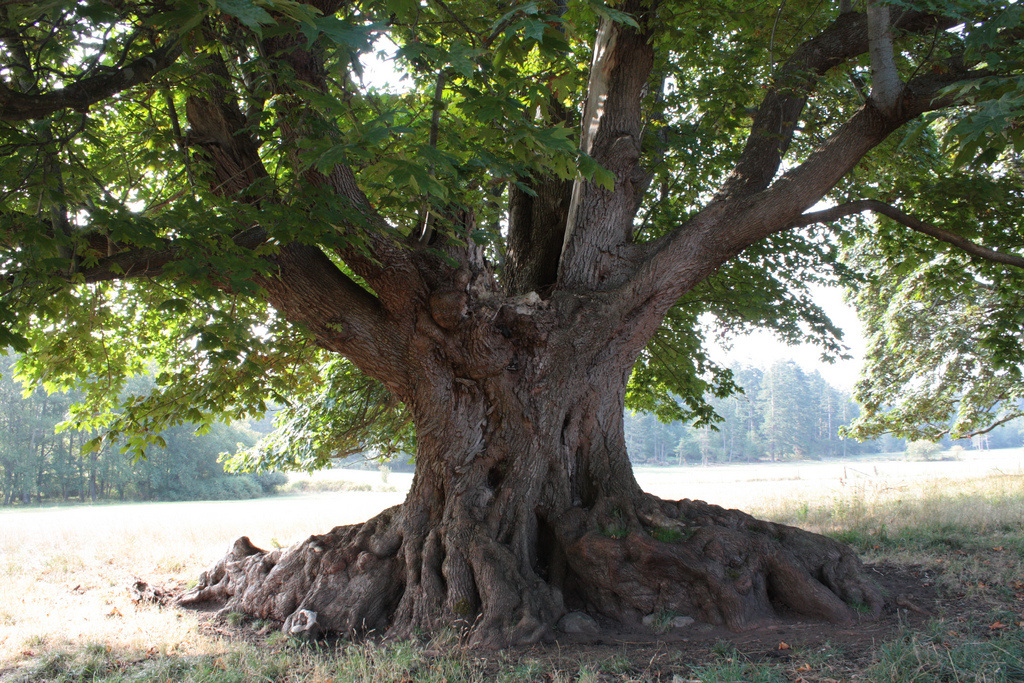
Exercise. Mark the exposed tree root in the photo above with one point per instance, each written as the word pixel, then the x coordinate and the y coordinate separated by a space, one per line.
pixel 718 566
pixel 619 561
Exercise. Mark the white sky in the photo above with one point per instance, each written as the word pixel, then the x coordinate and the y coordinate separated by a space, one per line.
pixel 762 349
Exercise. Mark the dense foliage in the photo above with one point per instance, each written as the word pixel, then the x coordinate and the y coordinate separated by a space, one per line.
pixel 41 463
pixel 106 174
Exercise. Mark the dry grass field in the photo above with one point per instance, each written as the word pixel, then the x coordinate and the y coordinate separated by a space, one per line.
pixel 67 613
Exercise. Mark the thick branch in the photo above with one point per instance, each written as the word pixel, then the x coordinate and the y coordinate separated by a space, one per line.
pixel 677 262
pixel 17 106
pixel 150 262
pixel 219 130
pixel 777 117
pixel 345 318
pixel 600 222
pixel 885 79
pixel 862 205
pixel 374 245
pixel 306 288
pixel 302 283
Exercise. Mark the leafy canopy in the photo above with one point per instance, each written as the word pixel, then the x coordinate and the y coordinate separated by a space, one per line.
pixel 481 107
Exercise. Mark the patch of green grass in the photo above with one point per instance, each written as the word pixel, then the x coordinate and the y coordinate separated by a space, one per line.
pixel 614 531
pixel 661 621
pixel 90 662
pixel 365 663
pixel 666 534
pixel 586 674
pixel 615 665
pixel 860 607
pixel 671 534
pixel 730 666
pixel 947 655
pixel 523 670
pixel 235 618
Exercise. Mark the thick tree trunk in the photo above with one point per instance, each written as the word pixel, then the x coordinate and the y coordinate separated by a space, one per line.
pixel 524 507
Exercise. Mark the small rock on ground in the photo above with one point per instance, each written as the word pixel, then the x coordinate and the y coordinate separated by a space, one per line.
pixel 577 622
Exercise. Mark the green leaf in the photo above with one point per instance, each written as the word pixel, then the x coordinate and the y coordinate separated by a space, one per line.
pixel 247 12
pixel 595 173
pixel 356 36
pixel 174 306
pixel 617 16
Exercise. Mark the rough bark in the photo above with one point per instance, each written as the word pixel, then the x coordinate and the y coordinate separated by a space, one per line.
pixel 524 507
pixel 536 232
pixel 596 251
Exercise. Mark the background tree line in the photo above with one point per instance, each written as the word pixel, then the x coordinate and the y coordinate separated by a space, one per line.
pixel 39 463
pixel 783 413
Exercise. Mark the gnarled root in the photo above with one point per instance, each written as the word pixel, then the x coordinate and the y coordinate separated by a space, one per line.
pixel 349 579
pixel 716 565
pixel 620 560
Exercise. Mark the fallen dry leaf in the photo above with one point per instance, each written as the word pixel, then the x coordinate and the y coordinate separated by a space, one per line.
pixel 804 667
pixel 997 625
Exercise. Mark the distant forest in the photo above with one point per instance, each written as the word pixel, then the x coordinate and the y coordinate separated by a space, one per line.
pixel 784 413
pixel 39 464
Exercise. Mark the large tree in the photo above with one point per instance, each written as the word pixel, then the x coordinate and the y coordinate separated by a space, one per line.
pixel 490 253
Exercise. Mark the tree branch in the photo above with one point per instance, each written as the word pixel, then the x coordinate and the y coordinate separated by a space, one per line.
pixel 344 317
pixel 779 113
pixel 306 286
pixel 862 205
pixel 978 432
pixel 426 227
pixel 393 283
pixel 677 262
pixel 885 79
pixel 302 283
pixel 600 221
pixel 149 261
pixel 18 106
